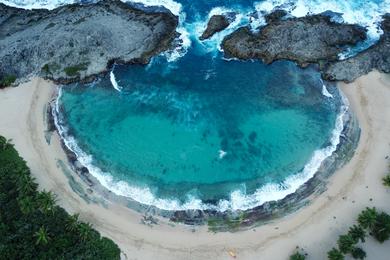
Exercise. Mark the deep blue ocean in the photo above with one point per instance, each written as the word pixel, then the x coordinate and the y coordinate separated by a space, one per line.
pixel 195 130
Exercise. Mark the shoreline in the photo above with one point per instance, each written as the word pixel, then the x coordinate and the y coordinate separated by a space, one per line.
pixel 26 125
pixel 228 220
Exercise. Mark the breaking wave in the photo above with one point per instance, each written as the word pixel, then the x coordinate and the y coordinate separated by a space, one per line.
pixel 239 200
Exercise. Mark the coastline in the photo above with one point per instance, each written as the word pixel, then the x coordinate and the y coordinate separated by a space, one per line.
pixel 302 186
pixel 346 192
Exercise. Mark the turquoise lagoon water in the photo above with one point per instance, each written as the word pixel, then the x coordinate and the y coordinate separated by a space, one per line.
pixel 202 129
pixel 193 130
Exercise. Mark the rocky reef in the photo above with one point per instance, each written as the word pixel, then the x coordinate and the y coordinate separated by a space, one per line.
pixel 216 24
pixel 305 40
pixel 314 39
pixel 376 57
pixel 76 42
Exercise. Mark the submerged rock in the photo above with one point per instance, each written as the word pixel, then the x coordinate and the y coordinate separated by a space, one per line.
pixel 76 42
pixel 305 40
pixel 376 57
pixel 216 24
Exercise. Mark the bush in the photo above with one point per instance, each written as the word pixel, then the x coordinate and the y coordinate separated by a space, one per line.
pixel 386 180
pixel 33 227
pixel 7 81
pixel 297 256
pixel 358 253
pixel 367 218
pixel 335 254
pixel 346 243
pixel 75 70
pixel 381 229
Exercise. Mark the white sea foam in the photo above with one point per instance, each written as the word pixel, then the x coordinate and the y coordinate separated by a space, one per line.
pixel 114 82
pixel 238 199
pixel 365 13
pixel 37 4
pixel 325 91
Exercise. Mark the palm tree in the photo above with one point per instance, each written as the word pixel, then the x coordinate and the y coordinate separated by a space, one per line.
pixel 72 222
pixel 5 143
pixel 25 184
pixel 345 243
pixel 26 205
pixel 367 217
pixel 381 229
pixel 85 230
pixel 386 180
pixel 335 254
pixel 46 201
pixel 357 233
pixel 297 256
pixel 42 237
pixel 358 253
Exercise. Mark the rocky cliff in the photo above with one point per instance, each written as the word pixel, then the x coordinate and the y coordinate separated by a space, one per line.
pixel 305 40
pixel 376 57
pixel 77 42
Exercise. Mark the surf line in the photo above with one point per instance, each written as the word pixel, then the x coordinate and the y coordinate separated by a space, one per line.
pixel 114 82
pixel 325 91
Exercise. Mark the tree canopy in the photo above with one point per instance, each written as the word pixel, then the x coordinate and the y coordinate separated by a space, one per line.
pixel 32 226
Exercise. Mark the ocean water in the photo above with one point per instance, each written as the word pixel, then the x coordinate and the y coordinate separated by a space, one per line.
pixel 193 130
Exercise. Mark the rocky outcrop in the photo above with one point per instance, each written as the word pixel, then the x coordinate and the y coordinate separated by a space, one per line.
pixel 376 57
pixel 216 24
pixel 310 39
pixel 76 42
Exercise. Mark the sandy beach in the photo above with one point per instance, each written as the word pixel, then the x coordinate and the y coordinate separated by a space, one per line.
pixel 315 227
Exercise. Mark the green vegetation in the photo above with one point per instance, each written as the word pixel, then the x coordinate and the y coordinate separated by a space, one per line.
pixel 335 254
pixel 297 256
pixel 386 180
pixel 75 70
pixel 7 81
pixel 32 226
pixel 230 223
pixel 358 253
pixel 345 243
pixel 377 224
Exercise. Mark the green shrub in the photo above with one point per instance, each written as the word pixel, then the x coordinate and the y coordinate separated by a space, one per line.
pixel 357 233
pixel 297 256
pixel 381 229
pixel 7 81
pixel 32 226
pixel 345 243
pixel 367 217
pixel 335 254
pixel 358 253
pixel 75 70
pixel 386 180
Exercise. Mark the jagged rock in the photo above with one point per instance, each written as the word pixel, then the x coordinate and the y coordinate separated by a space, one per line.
pixel 376 57
pixel 275 16
pixel 305 40
pixel 76 42
pixel 216 24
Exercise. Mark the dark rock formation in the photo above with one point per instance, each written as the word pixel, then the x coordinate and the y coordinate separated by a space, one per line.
pixel 76 42
pixel 309 39
pixel 376 57
pixel 275 16
pixel 216 24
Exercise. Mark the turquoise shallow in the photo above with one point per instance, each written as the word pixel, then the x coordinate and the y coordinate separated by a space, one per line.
pixel 185 134
pixel 192 130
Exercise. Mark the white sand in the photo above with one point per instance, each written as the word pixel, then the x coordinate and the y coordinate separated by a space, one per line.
pixel 315 227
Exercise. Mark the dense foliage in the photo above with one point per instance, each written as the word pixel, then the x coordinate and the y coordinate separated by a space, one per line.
pixel 7 81
pixel 32 226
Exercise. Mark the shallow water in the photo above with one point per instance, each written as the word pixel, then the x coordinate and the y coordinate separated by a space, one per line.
pixel 192 130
